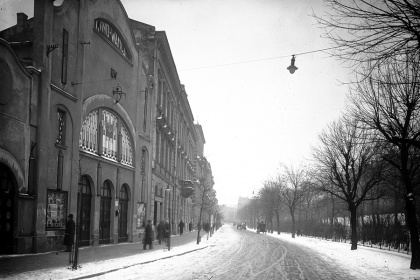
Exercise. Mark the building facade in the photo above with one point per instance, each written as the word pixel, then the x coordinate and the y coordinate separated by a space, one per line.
pixel 95 122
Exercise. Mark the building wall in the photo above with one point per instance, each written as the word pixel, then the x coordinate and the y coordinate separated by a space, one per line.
pixel 96 62
pixel 66 133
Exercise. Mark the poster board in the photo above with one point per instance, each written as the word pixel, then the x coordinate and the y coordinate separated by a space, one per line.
pixel 56 209
pixel 141 214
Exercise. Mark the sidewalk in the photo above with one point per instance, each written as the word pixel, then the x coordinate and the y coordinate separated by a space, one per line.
pixel 96 260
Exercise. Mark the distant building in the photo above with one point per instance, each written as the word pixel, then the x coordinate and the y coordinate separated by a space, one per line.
pixel 229 213
pixel 242 201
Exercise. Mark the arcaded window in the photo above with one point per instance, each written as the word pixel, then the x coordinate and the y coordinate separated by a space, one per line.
pixel 104 133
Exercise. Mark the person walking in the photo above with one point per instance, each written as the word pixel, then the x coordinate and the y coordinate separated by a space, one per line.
pixel 161 231
pixel 190 226
pixel 181 227
pixel 167 233
pixel 69 233
pixel 148 236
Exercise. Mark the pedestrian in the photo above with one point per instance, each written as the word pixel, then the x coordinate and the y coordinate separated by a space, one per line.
pixel 167 231
pixel 161 231
pixel 69 233
pixel 190 226
pixel 181 227
pixel 148 236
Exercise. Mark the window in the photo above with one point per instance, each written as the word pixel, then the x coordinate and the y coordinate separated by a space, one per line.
pixel 88 134
pixel 146 93
pixel 64 56
pixel 61 125
pixel 107 137
pixel 127 152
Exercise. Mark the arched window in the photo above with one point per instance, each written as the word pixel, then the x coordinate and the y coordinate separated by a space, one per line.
pixel 89 133
pixel 110 133
pixel 104 133
pixel 127 152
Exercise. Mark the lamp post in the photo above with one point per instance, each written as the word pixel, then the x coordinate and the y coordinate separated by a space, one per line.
pixel 168 190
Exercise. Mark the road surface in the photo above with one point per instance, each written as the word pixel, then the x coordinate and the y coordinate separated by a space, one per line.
pixel 240 254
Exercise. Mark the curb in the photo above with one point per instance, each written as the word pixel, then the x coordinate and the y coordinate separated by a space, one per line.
pixel 140 263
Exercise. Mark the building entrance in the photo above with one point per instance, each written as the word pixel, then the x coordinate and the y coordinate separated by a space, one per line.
pixel 123 215
pixel 85 206
pixel 7 191
pixel 105 214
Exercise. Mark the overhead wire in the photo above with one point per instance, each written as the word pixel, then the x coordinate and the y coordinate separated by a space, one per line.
pixel 255 60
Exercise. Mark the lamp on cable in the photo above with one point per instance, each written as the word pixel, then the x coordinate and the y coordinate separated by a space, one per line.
pixel 292 68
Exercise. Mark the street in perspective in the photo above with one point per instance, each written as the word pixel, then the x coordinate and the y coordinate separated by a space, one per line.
pixel 229 253
pixel 207 139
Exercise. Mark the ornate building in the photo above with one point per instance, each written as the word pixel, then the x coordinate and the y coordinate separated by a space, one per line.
pixel 93 121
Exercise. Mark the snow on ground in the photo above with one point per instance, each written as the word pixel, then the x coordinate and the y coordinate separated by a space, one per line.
pixel 363 263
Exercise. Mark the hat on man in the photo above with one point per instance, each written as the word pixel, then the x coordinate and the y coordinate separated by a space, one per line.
pixel 70 216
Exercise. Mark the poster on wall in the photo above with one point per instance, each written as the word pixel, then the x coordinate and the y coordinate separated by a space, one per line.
pixel 141 215
pixel 56 209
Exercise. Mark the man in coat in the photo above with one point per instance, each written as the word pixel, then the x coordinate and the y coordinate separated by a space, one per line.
pixel 148 235
pixel 69 233
pixel 161 231
pixel 181 227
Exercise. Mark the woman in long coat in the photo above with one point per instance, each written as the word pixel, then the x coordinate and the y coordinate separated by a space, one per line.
pixel 69 234
pixel 148 235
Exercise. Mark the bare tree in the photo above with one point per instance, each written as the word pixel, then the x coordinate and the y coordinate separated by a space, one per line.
pixel 269 197
pixel 293 193
pixel 346 159
pixel 387 101
pixel 371 30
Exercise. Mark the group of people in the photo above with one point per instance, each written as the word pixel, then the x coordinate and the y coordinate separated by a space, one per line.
pixel 163 230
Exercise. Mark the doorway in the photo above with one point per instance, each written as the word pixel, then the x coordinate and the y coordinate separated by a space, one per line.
pixel 85 206
pixel 7 196
pixel 105 214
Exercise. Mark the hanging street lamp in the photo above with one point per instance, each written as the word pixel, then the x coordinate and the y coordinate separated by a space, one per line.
pixel 292 68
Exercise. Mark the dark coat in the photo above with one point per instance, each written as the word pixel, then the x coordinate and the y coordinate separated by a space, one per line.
pixel 167 230
pixel 161 230
pixel 69 234
pixel 181 225
pixel 148 235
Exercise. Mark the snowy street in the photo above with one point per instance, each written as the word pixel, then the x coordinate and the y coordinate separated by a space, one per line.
pixel 239 254
pixel 235 254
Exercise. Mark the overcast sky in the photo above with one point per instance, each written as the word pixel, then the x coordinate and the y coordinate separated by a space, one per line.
pixel 232 56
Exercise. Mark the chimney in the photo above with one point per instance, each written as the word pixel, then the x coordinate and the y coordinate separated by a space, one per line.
pixel 21 21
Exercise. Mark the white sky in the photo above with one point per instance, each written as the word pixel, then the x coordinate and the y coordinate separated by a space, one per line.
pixel 363 263
pixel 254 115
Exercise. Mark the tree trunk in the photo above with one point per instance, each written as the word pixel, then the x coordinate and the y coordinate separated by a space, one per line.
pixel 292 213
pixel 332 216
pixel 414 233
pixel 410 208
pixel 353 225
pixel 278 223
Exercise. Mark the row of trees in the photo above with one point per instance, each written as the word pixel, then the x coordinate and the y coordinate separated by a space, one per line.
pixel 372 153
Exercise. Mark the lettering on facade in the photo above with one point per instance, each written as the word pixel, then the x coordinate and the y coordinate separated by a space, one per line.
pixel 112 35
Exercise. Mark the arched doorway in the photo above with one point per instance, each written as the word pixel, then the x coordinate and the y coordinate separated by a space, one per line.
pixel 123 215
pixel 7 191
pixel 105 214
pixel 85 205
